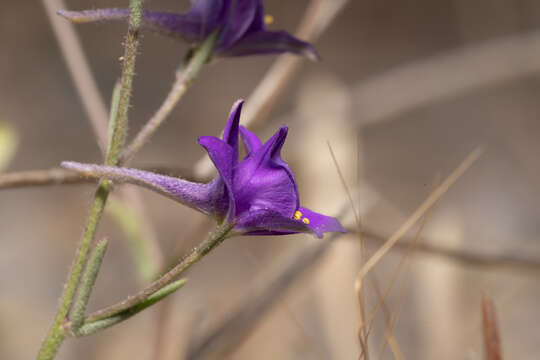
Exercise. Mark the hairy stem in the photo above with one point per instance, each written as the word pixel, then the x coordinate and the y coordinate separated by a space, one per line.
pixel 119 130
pixel 196 254
pixel 87 284
pixel 90 327
pixel 58 176
pixel 184 79
pixel 56 334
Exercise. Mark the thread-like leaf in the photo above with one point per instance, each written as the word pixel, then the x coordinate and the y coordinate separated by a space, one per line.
pixel 88 280
pixel 95 326
pixel 115 101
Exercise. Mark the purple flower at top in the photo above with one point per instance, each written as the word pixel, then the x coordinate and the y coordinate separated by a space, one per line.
pixel 241 22
pixel 257 194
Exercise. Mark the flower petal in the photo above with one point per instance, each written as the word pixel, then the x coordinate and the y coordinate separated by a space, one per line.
pixel 230 134
pixel 221 155
pixel 251 141
pixel 192 26
pixel 237 18
pixel 264 181
pixel 197 196
pixel 258 23
pixel 209 14
pixel 271 42
pixel 320 223
pixel 268 222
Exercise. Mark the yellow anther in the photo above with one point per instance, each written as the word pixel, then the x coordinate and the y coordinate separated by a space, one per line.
pixel 268 19
pixel 305 221
pixel 297 215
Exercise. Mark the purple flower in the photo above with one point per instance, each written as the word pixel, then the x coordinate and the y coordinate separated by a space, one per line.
pixel 241 23
pixel 257 194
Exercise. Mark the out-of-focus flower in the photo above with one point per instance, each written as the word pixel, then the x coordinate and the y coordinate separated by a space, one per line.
pixel 258 194
pixel 241 24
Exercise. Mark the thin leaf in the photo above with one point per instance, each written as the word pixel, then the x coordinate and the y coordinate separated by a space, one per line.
pixel 88 280
pixel 95 326
pixel 115 101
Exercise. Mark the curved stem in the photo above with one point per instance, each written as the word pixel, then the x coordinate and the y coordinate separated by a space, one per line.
pixel 196 254
pixel 56 334
pixel 184 79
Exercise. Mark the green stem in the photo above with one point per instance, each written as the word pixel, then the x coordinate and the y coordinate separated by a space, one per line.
pixel 196 254
pixel 126 83
pixel 184 79
pixel 57 333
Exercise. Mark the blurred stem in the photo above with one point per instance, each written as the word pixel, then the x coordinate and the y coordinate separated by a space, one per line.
pixel 79 70
pixel 130 224
pixel 56 334
pixel 196 254
pixel 184 79
pixel 8 145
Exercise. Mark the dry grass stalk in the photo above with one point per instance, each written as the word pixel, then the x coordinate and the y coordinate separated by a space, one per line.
pixel 422 209
pixel 492 341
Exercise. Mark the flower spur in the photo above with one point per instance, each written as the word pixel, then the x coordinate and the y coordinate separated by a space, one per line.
pixel 257 195
pixel 241 24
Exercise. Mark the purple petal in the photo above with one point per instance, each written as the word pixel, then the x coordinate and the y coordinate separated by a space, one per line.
pixel 258 23
pixel 208 14
pixel 264 181
pixel 270 42
pixel 230 134
pixel 221 155
pixel 208 10
pixel 320 223
pixel 237 18
pixel 201 197
pixel 268 222
pixel 251 141
pixel 191 26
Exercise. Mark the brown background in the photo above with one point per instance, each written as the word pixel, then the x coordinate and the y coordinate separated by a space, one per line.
pixel 366 54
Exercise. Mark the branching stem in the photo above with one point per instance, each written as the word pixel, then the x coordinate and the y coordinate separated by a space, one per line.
pixel 196 254
pixel 184 79
pixel 56 334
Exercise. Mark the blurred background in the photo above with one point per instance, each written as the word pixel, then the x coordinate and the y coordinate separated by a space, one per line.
pixel 404 92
